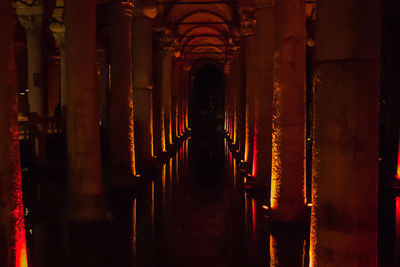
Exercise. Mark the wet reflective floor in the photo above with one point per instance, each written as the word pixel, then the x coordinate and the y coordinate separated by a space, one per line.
pixel 193 213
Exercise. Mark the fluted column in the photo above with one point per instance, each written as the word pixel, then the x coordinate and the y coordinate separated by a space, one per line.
pixel 12 228
pixel 83 134
pixel 122 145
pixel 346 133
pixel 287 185
pixel 31 19
pixel 143 85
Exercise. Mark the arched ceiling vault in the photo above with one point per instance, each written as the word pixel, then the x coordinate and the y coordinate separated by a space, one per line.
pixel 202 28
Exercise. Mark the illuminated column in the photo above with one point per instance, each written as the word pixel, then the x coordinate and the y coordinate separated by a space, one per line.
pixel 182 98
pixel 12 228
pixel 346 134
pixel 58 30
pixel 143 85
pixel 83 135
pixel 31 20
pixel 162 93
pixel 288 145
pixel 175 99
pixel 262 81
pixel 242 100
pixel 122 146
pixel 185 95
pixel 228 98
pixel 235 96
pixel 248 23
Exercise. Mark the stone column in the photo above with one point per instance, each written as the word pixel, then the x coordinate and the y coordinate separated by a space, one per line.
pixel 143 85
pixel 12 228
pixel 83 134
pixel 262 81
pixel 288 144
pixel 346 134
pixel 162 93
pixel 58 30
pixel 31 19
pixel 175 99
pixel 248 23
pixel 122 145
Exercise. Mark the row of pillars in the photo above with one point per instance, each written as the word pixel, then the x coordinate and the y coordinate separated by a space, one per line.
pixel 146 119
pixel 266 120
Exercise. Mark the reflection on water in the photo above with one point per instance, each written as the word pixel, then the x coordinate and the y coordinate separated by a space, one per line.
pixel 195 212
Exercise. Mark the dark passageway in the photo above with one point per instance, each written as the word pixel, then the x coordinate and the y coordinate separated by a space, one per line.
pixel 191 133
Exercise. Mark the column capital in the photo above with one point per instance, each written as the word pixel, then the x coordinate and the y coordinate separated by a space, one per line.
pixel 30 16
pixel 58 31
pixel 166 40
pixel 124 8
pixel 247 20
pixel 147 10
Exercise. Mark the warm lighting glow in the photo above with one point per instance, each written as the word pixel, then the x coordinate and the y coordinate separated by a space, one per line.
pixel 131 133
pixel 170 174
pixel 234 175
pixel 17 208
pixel 398 161
pixel 265 207
pixel 134 228
pixel 177 164
pixel 309 205
pixel 163 137
pixel 255 152
pixel 163 176
pixel 398 219
pixel 276 170
pixel 254 212
pixel 247 136
pixel 151 132
pixel 273 252
pixel 235 130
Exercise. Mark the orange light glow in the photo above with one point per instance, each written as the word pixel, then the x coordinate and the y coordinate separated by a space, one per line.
pixel 17 208
pixel 247 136
pixel 265 207
pixel 254 212
pixel 255 152
pixel 273 252
pixel 163 175
pixel 398 161
pixel 131 133
pixel 234 175
pixel 398 219
pixel 134 228
pixel 163 131
pixel 151 132
pixel 276 150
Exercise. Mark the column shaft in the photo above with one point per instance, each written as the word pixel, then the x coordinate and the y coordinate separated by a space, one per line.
pixel 287 184
pixel 122 146
pixel 262 81
pixel 346 134
pixel 142 90
pixel 250 87
pixel 12 228
pixel 83 135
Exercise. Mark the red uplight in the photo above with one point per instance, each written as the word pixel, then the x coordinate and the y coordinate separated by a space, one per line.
pixel 398 161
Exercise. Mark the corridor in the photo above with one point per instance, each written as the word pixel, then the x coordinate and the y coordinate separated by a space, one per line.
pixel 196 133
